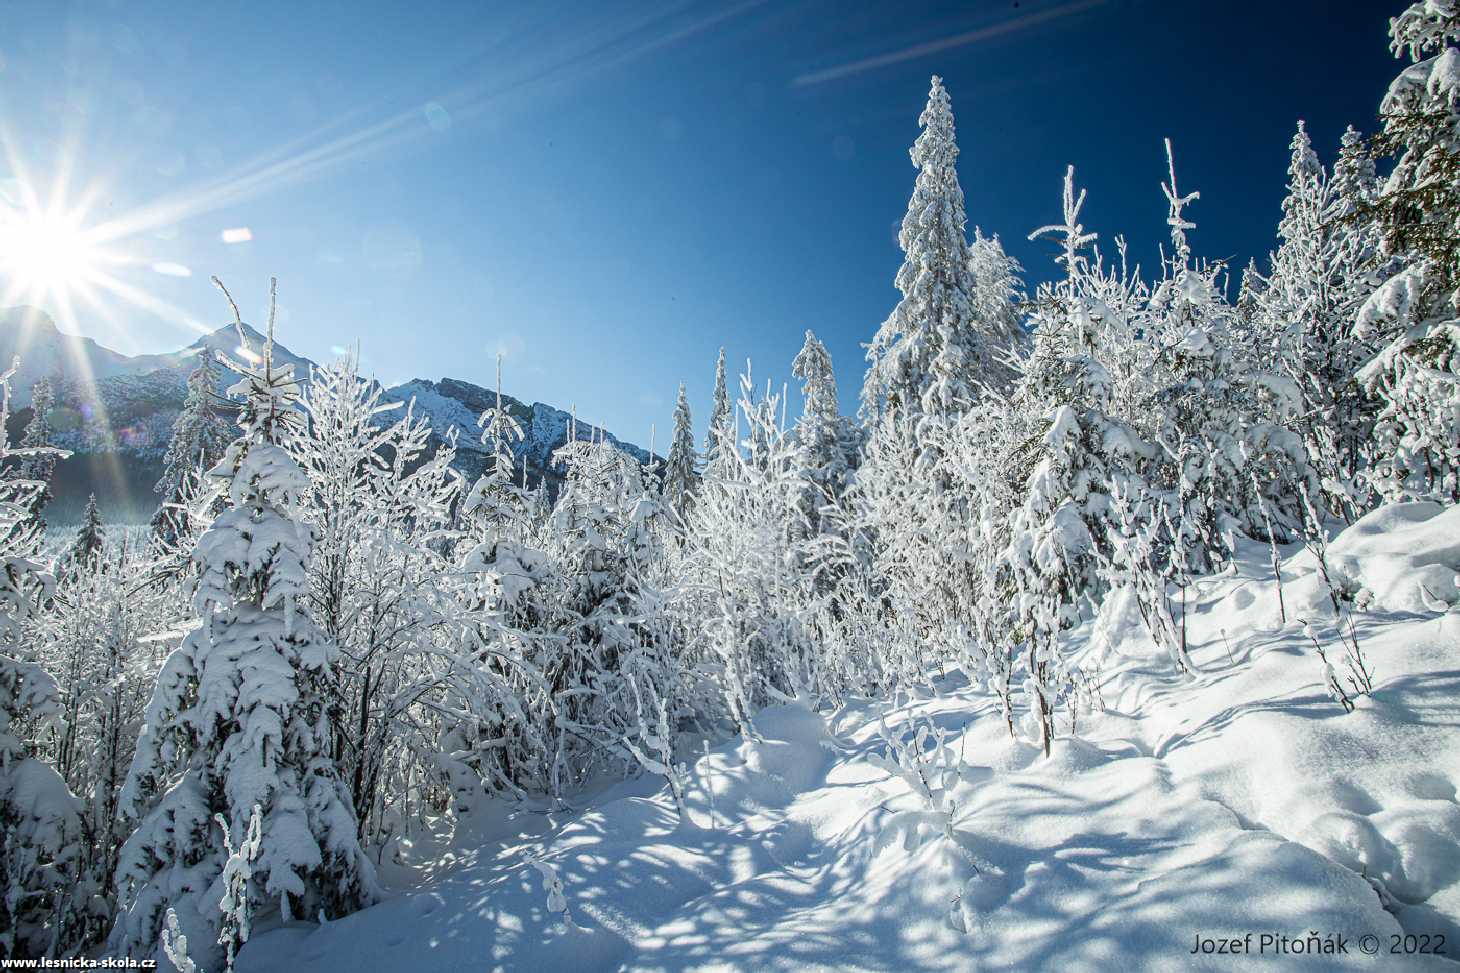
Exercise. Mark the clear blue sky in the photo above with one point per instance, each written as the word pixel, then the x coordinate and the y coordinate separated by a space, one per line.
pixel 609 192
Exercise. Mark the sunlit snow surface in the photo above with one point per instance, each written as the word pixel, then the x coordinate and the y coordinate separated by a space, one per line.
pixel 1243 800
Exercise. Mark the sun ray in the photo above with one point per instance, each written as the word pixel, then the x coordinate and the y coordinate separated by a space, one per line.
pixel 63 259
pixel 327 147
pixel 99 418
pixel 140 298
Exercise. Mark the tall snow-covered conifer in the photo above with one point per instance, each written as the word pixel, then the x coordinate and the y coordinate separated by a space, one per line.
pixel 1415 314
pixel 1355 181
pixel 240 714
pixel 944 347
pixel 720 435
pixel 1308 305
pixel 40 466
pixel 1218 427
pixel 925 355
pixel 90 537
pixel 679 465
pixel 820 440
pixel 998 292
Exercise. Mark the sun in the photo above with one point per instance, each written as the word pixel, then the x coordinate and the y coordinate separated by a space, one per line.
pixel 44 254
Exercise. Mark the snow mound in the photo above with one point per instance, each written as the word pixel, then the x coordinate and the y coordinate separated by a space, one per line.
pixel 1406 554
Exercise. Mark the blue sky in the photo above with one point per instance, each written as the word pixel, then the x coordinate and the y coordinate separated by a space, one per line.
pixel 606 193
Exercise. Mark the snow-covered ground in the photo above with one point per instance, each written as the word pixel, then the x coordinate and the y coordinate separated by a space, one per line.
pixel 1242 800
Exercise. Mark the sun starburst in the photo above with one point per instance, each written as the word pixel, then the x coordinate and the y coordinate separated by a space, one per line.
pixel 45 256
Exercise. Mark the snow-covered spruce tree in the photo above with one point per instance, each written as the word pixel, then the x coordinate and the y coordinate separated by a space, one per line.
pixel 1362 266
pixel 565 628
pixel 1215 422
pixel 1248 326
pixel 1296 291
pixel 679 466
pixel 998 293
pixel 1077 453
pixel 1248 307
pixel 1355 184
pixel 1113 320
pixel 380 503
pixel 615 680
pixel 90 536
pixel 720 436
pixel 930 362
pixel 495 504
pixel 1413 315
pixel 1421 128
pixel 200 434
pixel 928 354
pixel 1080 320
pixel 1223 461
pixel 1415 376
pixel 241 710
pixel 828 540
pixel 821 440
pixel 43 898
pixel 1057 531
pixel 1066 330
pixel 1198 428
pixel 1316 283
pixel 39 467
pixel 1099 311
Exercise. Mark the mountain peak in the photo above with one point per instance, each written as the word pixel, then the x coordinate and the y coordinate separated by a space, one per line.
pixel 225 340
pixel 228 335
pixel 116 412
pixel 28 316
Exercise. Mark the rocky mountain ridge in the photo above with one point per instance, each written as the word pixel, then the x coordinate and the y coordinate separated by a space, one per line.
pixel 115 412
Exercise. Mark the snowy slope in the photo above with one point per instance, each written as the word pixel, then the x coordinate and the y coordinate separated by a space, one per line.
pixel 451 403
pixel 1239 800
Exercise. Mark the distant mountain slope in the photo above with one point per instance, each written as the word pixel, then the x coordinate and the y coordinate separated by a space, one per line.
pixel 451 402
pixel 44 351
pixel 115 412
